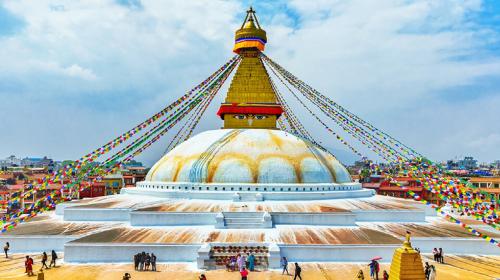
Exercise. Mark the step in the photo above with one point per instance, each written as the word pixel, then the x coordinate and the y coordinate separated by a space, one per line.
pixel 243 220
pixel 243 216
pixel 244 225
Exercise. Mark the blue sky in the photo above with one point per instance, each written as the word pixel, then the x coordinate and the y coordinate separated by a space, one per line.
pixel 74 74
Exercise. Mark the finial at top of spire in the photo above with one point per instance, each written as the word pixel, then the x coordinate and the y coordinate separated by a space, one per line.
pixel 251 17
pixel 250 35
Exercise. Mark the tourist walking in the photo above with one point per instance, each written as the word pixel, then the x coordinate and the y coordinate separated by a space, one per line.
pixel 361 275
pixel 44 260
pixel 136 261
pixel 53 259
pixel 427 270
pixel 6 249
pixel 298 270
pixel 284 264
pixel 432 273
pixel 153 262
pixel 28 264
pixel 386 275
pixel 148 261
pixel 244 274
pixel 374 269
pixel 251 262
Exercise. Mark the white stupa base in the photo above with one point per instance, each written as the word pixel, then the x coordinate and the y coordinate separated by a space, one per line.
pixel 249 192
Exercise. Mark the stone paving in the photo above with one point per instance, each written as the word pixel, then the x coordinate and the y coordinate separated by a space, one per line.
pixel 456 267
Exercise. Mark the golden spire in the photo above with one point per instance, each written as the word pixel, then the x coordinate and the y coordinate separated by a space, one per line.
pixel 251 100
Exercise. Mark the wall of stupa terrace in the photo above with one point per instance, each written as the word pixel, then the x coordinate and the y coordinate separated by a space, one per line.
pixel 249 192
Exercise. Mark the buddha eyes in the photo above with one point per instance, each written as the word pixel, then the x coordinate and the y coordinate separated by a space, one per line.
pixel 257 117
pixel 240 117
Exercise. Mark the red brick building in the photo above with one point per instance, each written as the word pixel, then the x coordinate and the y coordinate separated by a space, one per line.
pixel 400 189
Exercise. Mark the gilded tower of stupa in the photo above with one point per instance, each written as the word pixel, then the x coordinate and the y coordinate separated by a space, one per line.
pixel 251 101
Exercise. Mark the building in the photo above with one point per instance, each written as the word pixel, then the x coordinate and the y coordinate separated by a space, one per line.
pixel 400 188
pixel 89 190
pixel 488 184
pixel 467 163
pixel 10 161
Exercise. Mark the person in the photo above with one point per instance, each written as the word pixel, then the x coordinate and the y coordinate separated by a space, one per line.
pixel 148 261
pixel 53 259
pixel 360 275
pixel 203 277
pixel 298 270
pixel 44 260
pixel 432 273
pixel 441 256
pixel 374 269
pixel 153 262
pixel 28 264
pixel 251 262
pixel 142 259
pixel 386 275
pixel 427 270
pixel 244 274
pixel 435 253
pixel 232 263
pixel 136 261
pixel 284 264
pixel 241 262
pixel 126 276
pixel 6 249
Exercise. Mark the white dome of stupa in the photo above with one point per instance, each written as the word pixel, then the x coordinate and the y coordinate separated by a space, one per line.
pixel 259 156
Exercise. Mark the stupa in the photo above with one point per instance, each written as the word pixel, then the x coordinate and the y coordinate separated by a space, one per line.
pixel 246 188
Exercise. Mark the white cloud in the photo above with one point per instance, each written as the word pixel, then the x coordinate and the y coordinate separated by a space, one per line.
pixel 390 61
pixel 80 72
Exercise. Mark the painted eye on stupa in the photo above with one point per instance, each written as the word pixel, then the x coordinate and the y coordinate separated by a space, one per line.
pixel 260 117
pixel 240 117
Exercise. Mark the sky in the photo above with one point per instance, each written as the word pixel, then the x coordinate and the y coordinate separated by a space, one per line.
pixel 75 74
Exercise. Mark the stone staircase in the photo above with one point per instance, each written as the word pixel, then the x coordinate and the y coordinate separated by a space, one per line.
pixel 243 220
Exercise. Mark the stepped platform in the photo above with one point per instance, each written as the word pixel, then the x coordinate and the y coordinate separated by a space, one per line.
pixel 112 229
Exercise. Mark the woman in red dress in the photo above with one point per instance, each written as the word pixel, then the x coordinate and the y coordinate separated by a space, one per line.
pixel 29 265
